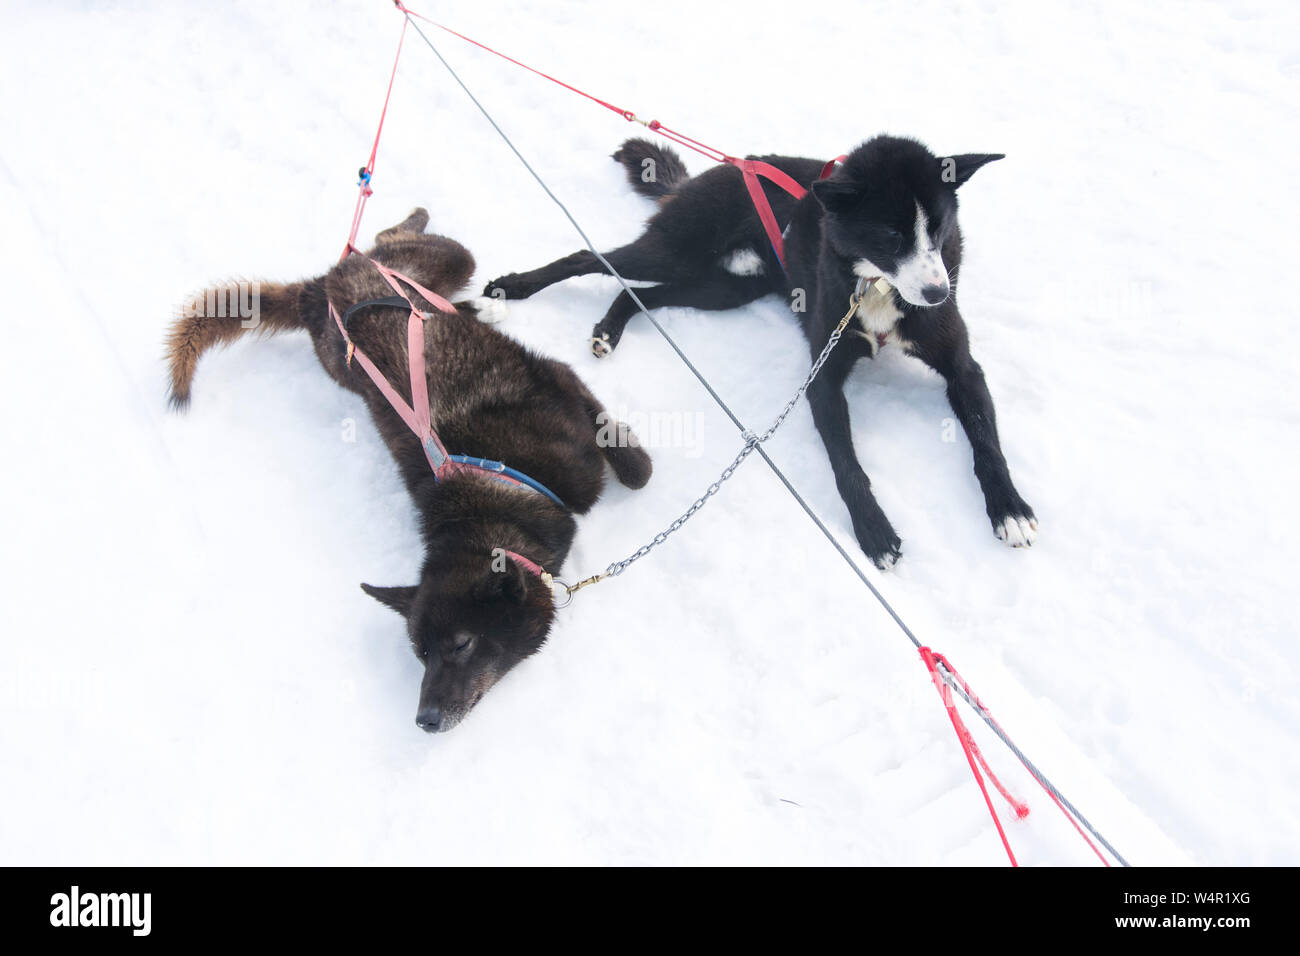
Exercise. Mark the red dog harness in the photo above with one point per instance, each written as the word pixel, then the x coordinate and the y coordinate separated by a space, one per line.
pixel 751 169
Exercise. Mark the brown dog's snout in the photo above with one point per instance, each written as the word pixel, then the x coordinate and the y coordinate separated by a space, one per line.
pixel 428 714
pixel 429 719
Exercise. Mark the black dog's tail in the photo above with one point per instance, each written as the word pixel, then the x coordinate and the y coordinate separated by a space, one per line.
pixel 653 170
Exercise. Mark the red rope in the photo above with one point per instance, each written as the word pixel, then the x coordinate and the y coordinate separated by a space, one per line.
pixel 363 187
pixel 715 154
pixel 626 114
pixel 972 752
pixel 979 704
pixel 750 169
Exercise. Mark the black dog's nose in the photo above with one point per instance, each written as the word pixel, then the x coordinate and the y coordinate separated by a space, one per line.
pixel 934 294
pixel 429 719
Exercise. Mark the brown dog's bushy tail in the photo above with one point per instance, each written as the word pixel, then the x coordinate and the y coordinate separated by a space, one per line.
pixel 653 170
pixel 218 316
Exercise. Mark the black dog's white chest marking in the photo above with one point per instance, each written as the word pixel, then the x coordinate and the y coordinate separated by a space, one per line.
pixel 878 318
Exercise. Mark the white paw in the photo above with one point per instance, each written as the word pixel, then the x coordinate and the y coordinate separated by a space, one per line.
pixel 600 345
pixel 1018 531
pixel 490 309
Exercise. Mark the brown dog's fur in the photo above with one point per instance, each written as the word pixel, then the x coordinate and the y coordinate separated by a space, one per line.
pixel 474 614
pixel 193 332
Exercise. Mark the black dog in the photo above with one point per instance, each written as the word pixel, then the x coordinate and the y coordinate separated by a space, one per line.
pixel 889 214
pixel 476 612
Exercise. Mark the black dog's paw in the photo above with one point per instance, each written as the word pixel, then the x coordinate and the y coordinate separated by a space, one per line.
pixel 1018 531
pixel 886 559
pixel 1014 522
pixel 879 542
pixel 513 286
pixel 876 536
pixel 603 340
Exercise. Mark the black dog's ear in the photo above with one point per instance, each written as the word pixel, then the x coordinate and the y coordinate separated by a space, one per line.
pixel 508 584
pixel 399 599
pixel 835 195
pixel 957 169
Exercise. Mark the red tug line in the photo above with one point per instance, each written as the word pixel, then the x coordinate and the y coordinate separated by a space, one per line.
pixel 751 169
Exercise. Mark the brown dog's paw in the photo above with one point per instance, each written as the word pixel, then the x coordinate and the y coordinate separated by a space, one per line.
pixel 490 309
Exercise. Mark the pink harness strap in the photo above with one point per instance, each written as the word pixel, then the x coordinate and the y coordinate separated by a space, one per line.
pixel 416 415
pixel 433 448
pixel 529 565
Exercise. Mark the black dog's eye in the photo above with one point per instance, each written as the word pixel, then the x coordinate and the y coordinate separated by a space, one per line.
pixel 891 240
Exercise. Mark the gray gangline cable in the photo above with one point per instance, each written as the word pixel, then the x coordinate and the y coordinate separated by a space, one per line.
pixel 745 432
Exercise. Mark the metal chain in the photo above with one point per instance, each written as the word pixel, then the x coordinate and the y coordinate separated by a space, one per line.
pixel 752 442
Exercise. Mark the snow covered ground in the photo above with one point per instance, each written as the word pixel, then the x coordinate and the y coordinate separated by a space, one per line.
pixel 189 673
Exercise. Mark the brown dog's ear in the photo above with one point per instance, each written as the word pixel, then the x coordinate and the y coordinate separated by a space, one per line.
pixel 955 170
pixel 412 225
pixel 399 599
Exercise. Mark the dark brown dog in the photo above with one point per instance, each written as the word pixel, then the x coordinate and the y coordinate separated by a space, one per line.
pixel 475 613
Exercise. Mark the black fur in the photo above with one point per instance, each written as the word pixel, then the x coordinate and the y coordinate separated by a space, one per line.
pixel 651 171
pixel 475 613
pixel 866 210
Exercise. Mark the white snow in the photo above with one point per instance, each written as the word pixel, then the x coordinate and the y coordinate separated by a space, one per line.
pixel 190 674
